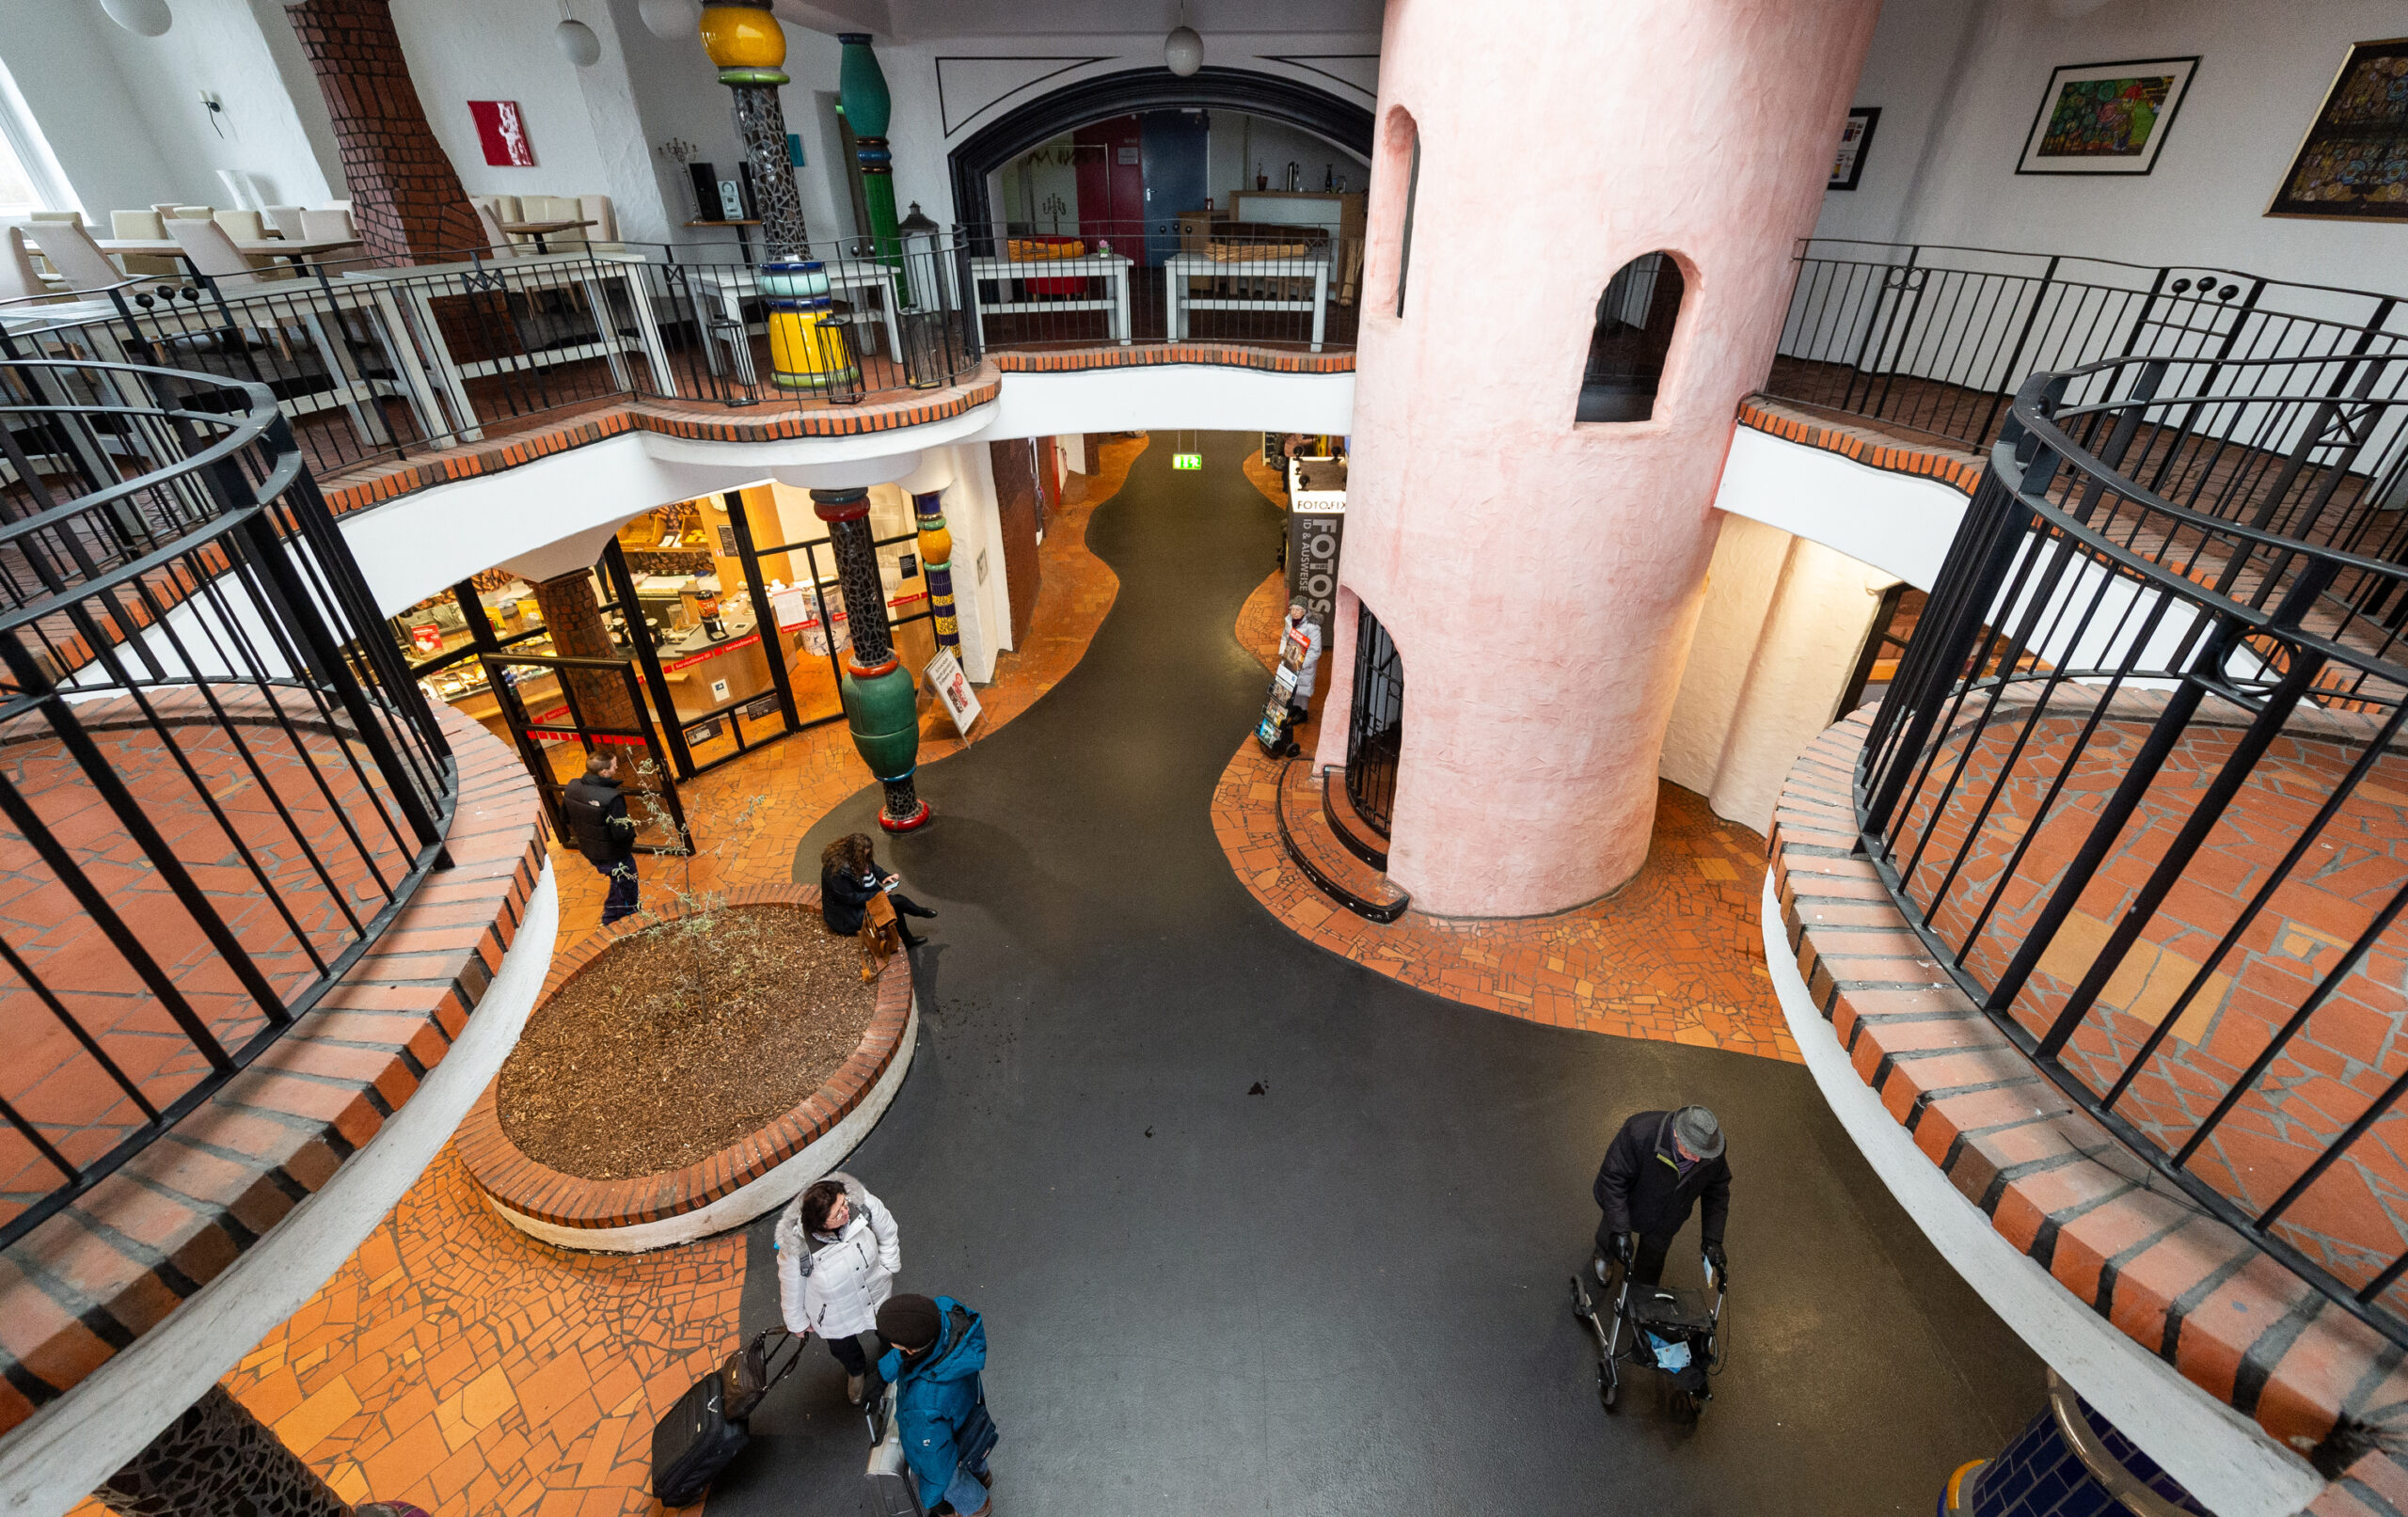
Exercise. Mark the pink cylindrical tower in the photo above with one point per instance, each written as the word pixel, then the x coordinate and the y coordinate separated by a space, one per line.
pixel 1540 575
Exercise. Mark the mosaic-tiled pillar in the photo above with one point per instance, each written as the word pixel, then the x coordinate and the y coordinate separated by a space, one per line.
pixel 406 198
pixel 2069 1461
pixel 574 619
pixel 936 561
pixel 750 47
pixel 216 1459
pixel 881 705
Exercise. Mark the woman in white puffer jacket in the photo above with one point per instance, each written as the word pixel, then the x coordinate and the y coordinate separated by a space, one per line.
pixel 838 1254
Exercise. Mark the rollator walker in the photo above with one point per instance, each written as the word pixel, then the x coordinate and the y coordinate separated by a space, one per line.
pixel 1668 1329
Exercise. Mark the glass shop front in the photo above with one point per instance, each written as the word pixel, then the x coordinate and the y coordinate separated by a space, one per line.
pixel 724 610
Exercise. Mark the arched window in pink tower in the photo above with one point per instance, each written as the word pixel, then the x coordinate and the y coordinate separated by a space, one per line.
pixel 1395 176
pixel 1635 321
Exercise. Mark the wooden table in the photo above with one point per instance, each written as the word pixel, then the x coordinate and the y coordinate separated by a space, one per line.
pixel 1113 268
pixel 540 230
pixel 296 250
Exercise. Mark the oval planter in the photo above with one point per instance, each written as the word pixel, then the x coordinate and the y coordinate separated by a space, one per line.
pixel 759 1172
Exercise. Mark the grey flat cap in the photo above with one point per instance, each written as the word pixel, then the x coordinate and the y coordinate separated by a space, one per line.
pixel 1699 1133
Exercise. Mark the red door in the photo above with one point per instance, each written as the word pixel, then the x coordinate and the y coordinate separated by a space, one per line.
pixel 1112 179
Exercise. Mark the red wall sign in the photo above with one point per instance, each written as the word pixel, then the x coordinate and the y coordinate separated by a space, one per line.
pixel 503 131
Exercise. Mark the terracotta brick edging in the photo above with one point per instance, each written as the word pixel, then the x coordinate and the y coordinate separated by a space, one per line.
pixel 89 1281
pixel 2177 1282
pixel 516 1183
pixel 1958 470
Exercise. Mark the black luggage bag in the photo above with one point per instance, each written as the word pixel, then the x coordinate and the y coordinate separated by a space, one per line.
pixel 706 1428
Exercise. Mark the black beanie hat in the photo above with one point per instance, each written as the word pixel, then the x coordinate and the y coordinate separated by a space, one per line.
pixel 907 1322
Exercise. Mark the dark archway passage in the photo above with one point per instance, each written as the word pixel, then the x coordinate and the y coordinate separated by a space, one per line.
pixel 1346 1294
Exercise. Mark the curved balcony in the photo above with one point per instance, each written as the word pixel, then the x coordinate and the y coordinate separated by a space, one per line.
pixel 252 885
pixel 2138 799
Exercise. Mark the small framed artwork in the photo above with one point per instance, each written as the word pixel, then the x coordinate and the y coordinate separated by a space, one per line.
pixel 502 132
pixel 1856 136
pixel 2106 118
pixel 2352 165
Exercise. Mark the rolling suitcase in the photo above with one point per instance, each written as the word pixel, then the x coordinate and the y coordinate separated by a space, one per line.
pixel 707 1430
pixel 893 1490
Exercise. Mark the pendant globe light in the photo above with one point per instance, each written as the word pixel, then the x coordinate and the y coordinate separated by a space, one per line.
pixel 672 21
pixel 143 17
pixel 576 41
pixel 1183 51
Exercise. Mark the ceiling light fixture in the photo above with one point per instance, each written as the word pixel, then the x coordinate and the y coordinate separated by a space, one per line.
pixel 143 17
pixel 1183 50
pixel 576 41
pixel 672 21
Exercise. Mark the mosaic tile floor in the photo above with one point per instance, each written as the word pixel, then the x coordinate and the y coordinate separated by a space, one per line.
pixel 1675 955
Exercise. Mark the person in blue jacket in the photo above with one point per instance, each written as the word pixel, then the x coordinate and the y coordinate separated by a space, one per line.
pixel 937 1348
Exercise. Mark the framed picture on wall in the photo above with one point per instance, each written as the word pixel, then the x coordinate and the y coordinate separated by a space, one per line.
pixel 1855 135
pixel 2106 118
pixel 502 132
pixel 2352 165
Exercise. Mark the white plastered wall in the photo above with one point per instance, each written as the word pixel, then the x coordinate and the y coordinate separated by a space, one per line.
pixel 1783 622
pixel 1959 81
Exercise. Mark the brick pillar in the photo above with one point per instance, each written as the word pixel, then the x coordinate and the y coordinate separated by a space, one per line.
pixel 405 197
pixel 218 1458
pixel 574 621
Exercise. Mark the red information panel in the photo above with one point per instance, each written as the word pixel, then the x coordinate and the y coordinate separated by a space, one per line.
pixel 504 133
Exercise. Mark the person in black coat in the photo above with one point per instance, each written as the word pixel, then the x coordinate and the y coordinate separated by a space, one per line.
pixel 849 876
pixel 600 829
pixel 1660 1166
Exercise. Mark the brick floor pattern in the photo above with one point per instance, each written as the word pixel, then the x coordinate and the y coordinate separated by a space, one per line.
pixel 2355 1219
pixel 296 803
pixel 1675 955
pixel 2055 1184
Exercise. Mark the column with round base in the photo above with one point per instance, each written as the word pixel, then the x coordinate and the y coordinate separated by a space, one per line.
pixel 881 705
pixel 936 561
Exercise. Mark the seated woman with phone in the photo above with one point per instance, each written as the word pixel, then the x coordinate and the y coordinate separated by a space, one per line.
pixel 850 879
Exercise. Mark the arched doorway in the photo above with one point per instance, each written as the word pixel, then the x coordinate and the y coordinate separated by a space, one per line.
pixel 1025 127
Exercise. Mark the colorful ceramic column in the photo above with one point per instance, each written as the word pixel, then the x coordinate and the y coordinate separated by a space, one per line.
pixel 749 46
pixel 936 561
pixel 867 108
pixel 881 705
pixel 218 1457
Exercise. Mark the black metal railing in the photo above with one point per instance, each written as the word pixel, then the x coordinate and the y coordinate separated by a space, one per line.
pixel 217 783
pixel 1375 724
pixel 371 362
pixel 1936 338
pixel 2139 783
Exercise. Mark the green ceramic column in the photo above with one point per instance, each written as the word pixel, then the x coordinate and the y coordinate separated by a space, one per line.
pixel 869 108
pixel 881 705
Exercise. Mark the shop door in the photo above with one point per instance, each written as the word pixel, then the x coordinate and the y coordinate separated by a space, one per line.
pixel 1174 177
pixel 1376 727
pixel 556 739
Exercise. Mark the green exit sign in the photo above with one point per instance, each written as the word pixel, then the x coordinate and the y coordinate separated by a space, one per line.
pixel 1187 460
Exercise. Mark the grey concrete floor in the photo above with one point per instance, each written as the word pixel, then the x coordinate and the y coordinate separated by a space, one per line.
pixel 1346 1294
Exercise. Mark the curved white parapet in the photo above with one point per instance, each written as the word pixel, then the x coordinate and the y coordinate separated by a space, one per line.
pixel 1194 397
pixel 52 1460
pixel 2220 1456
pixel 1901 523
pixel 750 1200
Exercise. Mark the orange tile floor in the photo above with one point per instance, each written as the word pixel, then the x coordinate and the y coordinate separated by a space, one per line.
pixel 1674 956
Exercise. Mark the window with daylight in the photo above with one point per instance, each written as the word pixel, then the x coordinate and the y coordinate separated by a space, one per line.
pixel 1635 317
pixel 30 177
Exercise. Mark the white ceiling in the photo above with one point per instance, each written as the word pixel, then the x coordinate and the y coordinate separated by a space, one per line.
pixel 915 20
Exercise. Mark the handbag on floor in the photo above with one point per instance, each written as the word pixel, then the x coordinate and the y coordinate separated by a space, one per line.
pixel 706 1428
pixel 881 935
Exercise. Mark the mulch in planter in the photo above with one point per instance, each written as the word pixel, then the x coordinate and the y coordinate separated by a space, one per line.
pixel 678 1041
